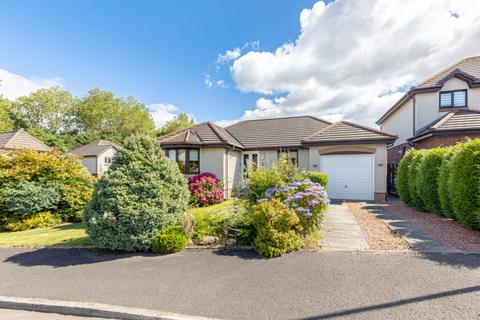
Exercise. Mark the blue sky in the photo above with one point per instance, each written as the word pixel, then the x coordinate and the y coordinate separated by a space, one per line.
pixel 156 51
pixel 345 59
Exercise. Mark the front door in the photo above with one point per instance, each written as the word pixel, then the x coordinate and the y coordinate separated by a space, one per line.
pixel 250 162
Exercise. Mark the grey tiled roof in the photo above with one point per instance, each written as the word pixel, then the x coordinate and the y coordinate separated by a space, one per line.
pixel 452 121
pixel 277 132
pixel 20 139
pixel 469 66
pixel 94 148
pixel 203 134
pixel 344 131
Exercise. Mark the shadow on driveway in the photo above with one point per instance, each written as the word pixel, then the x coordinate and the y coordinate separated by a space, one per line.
pixel 375 307
pixel 65 257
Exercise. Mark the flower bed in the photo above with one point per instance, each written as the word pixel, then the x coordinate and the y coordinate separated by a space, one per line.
pixel 206 189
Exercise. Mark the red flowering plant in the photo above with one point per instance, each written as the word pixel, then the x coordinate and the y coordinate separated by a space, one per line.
pixel 206 189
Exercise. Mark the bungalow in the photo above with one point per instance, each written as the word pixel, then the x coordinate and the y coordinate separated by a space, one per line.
pixel 96 156
pixel 16 140
pixel 353 156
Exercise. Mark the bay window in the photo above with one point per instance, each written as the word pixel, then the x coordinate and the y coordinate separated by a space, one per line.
pixel 188 160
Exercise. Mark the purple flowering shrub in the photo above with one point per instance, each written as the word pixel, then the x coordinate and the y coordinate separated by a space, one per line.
pixel 308 199
pixel 206 189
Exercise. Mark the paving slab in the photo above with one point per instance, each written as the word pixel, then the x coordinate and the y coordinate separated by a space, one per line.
pixel 340 231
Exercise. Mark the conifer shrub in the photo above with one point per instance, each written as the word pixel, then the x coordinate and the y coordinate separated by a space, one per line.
pixel 464 183
pixel 429 170
pixel 142 193
pixel 402 176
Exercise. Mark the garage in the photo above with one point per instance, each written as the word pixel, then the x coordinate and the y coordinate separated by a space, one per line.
pixel 350 176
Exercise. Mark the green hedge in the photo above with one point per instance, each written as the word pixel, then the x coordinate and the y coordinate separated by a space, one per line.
pixel 413 181
pixel 402 176
pixel 464 183
pixel 317 177
pixel 443 180
pixel 429 169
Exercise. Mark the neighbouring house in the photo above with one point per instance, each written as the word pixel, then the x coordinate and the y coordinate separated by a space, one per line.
pixel 439 111
pixel 353 156
pixel 16 140
pixel 96 156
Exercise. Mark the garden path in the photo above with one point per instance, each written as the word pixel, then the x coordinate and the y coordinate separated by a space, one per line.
pixel 340 231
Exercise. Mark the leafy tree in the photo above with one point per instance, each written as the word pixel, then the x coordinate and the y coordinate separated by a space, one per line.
pixel 6 123
pixel 50 109
pixel 101 115
pixel 181 121
pixel 142 193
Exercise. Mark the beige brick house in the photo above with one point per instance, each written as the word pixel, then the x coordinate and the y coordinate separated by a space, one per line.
pixel 354 157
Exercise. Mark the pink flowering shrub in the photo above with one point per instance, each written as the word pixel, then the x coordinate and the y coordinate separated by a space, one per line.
pixel 206 189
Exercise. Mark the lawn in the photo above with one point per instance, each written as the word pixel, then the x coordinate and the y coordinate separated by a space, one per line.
pixel 69 234
pixel 73 234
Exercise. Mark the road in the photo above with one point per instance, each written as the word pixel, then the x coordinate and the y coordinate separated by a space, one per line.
pixel 242 285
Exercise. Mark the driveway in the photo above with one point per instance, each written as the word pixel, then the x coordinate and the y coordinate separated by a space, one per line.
pixel 242 285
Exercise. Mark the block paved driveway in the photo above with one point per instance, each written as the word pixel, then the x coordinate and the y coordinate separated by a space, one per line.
pixel 242 285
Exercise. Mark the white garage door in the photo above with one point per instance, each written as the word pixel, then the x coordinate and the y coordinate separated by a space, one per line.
pixel 349 176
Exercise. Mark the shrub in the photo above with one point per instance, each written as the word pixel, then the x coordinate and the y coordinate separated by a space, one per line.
pixel 24 198
pixel 444 183
pixel 286 169
pixel 142 192
pixel 208 221
pixel 170 240
pixel 68 175
pixel 241 223
pixel 402 176
pixel 277 229
pixel 205 189
pixel 317 177
pixel 263 179
pixel 309 200
pixel 429 170
pixel 37 220
pixel 464 183
pixel 413 174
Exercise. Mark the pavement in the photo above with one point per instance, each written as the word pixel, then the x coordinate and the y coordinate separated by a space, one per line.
pixel 230 284
pixel 340 230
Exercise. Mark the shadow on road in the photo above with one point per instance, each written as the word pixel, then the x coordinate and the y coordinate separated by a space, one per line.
pixel 354 311
pixel 65 257
pixel 243 254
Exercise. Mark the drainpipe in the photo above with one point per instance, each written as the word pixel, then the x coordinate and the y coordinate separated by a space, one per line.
pixel 226 173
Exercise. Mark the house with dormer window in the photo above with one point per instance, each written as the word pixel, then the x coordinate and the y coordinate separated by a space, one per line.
pixel 439 111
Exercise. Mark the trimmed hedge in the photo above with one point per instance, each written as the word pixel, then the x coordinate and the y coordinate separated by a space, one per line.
pixel 402 176
pixel 317 177
pixel 465 183
pixel 413 181
pixel 429 169
pixel 443 180
pixel 444 196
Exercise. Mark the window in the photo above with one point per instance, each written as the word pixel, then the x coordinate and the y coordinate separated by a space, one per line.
pixel 107 160
pixel 293 154
pixel 188 160
pixel 453 99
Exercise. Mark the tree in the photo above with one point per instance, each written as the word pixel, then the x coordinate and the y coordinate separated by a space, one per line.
pixel 142 193
pixel 100 115
pixel 181 121
pixel 6 123
pixel 49 109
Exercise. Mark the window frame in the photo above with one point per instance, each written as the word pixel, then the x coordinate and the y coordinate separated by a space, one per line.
pixel 187 158
pixel 451 93
pixel 288 151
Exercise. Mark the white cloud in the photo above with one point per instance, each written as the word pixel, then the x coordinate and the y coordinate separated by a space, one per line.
pixel 228 56
pixel 13 85
pixel 162 112
pixel 351 56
